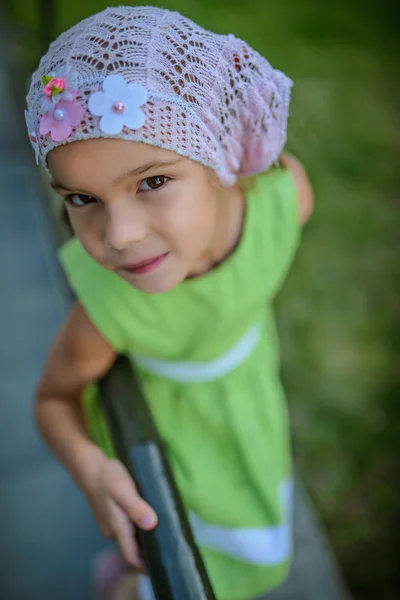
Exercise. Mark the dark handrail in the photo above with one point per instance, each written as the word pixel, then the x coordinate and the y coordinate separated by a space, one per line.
pixel 170 553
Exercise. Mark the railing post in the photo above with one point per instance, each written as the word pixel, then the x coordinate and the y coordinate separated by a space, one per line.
pixel 173 561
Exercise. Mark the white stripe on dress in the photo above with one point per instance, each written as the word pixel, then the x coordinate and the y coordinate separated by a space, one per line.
pixel 260 546
pixel 189 371
pixel 263 546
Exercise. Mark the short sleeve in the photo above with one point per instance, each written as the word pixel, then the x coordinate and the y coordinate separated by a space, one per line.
pixel 100 292
pixel 278 226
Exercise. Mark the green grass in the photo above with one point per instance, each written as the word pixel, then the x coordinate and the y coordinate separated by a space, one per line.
pixel 338 312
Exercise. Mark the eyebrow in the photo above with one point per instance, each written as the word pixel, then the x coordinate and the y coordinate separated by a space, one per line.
pixel 158 164
pixel 57 186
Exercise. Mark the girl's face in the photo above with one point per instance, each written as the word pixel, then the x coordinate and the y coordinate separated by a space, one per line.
pixel 144 212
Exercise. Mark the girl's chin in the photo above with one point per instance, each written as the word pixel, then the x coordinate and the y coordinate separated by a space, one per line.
pixel 154 283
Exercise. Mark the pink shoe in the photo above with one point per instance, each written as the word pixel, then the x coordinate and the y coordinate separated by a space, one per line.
pixel 108 570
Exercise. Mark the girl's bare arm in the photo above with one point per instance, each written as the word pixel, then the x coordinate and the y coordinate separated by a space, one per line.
pixel 79 356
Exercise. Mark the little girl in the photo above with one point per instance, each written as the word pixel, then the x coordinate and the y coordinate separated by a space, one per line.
pixel 164 140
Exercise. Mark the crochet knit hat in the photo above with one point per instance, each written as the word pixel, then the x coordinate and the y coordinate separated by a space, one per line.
pixel 151 75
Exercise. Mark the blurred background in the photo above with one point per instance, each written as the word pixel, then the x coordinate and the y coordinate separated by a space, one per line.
pixel 338 313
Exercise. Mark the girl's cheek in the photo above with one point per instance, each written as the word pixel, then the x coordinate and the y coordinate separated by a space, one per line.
pixel 83 231
pixel 164 221
pixel 76 225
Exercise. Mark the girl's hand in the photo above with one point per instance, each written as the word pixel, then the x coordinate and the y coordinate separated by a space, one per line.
pixel 118 507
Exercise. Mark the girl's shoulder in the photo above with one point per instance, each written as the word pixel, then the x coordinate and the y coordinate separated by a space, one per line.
pixel 278 202
pixel 305 195
pixel 288 179
pixel 283 193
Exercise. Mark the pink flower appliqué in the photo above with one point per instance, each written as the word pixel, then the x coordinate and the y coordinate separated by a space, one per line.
pixel 65 115
pixel 59 85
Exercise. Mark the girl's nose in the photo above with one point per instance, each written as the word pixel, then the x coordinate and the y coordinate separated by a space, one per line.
pixel 126 226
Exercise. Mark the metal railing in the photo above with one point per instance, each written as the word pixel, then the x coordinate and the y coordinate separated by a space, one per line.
pixel 174 563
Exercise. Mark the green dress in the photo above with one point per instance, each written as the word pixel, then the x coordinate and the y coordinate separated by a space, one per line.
pixel 208 361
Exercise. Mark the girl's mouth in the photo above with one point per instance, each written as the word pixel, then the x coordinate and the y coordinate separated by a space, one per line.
pixel 145 266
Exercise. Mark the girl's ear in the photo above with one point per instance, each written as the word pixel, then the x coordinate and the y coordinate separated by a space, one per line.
pixel 215 181
pixel 213 178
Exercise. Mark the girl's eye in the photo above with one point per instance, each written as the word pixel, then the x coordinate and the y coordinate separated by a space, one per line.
pixel 152 183
pixel 79 200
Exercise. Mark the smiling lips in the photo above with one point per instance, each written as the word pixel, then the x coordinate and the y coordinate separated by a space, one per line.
pixel 146 266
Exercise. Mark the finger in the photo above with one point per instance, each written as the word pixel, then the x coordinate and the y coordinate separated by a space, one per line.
pixel 125 536
pixel 102 519
pixel 122 490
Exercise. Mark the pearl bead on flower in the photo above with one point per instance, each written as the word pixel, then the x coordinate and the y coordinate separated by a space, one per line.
pixel 58 114
pixel 118 107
